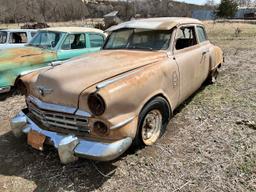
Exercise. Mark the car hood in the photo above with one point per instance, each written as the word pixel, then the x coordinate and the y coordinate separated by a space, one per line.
pixel 66 82
pixel 25 56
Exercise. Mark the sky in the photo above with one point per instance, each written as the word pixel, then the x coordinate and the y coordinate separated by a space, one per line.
pixel 196 1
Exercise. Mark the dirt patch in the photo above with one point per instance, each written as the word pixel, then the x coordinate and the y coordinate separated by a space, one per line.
pixel 210 143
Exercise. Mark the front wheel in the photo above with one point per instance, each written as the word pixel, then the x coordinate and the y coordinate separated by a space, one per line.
pixel 153 120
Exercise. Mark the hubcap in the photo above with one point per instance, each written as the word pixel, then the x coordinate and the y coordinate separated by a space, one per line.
pixel 151 127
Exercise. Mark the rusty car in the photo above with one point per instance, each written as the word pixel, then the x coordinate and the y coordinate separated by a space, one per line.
pixel 97 106
pixel 47 46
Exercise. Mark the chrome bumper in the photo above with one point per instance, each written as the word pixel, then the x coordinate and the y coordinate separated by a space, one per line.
pixel 71 147
pixel 4 89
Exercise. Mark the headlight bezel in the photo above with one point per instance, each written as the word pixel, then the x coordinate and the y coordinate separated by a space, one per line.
pixel 96 104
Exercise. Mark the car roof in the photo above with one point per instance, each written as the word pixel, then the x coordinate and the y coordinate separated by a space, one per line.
pixel 159 23
pixel 73 29
pixel 18 30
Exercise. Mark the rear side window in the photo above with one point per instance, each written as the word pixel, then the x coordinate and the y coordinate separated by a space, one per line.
pixel 74 41
pixel 201 34
pixel 96 40
pixel 186 37
pixel 18 37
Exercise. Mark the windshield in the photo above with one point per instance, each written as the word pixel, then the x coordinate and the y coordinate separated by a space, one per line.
pixel 139 39
pixel 3 37
pixel 45 39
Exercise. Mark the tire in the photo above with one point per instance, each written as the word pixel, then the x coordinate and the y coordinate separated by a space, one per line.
pixel 212 78
pixel 19 88
pixel 153 120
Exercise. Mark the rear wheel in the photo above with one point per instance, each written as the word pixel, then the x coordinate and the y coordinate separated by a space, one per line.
pixel 153 120
pixel 212 78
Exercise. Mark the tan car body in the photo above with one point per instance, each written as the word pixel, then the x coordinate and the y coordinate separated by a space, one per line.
pixel 127 79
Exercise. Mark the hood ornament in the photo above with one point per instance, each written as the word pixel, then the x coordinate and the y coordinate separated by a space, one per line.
pixel 44 91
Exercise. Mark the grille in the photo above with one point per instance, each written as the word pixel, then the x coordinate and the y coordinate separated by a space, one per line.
pixel 53 119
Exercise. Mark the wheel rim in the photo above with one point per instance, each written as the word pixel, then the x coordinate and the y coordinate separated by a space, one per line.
pixel 151 127
pixel 214 76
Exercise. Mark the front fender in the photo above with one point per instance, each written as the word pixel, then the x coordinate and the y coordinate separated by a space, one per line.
pixel 125 97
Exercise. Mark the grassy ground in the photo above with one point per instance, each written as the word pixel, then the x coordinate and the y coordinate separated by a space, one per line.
pixel 210 143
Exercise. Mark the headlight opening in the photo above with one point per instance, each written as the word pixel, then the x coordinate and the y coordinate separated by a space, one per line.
pixel 96 104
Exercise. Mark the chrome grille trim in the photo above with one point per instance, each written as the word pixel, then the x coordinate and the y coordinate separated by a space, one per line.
pixel 57 108
pixel 59 120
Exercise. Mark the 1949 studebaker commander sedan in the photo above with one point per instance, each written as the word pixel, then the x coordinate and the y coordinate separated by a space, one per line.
pixel 47 46
pixel 97 106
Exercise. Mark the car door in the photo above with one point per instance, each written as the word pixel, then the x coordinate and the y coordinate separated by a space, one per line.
pixel 190 58
pixel 72 46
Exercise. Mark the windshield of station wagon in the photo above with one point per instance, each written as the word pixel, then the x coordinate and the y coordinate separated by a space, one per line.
pixel 139 39
pixel 3 37
pixel 46 39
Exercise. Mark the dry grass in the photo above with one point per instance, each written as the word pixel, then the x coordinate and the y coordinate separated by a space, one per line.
pixel 210 144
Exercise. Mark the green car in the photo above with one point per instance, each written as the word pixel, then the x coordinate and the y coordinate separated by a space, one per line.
pixel 51 45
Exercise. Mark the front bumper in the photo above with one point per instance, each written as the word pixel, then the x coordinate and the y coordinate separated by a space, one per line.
pixel 71 147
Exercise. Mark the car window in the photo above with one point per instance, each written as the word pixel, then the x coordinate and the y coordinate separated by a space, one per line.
pixel 186 37
pixel 74 41
pixel 96 40
pixel 33 34
pixel 3 37
pixel 201 34
pixel 46 39
pixel 118 40
pixel 139 39
pixel 18 37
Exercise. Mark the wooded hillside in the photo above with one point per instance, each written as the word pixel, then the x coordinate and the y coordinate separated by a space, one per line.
pixel 15 11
